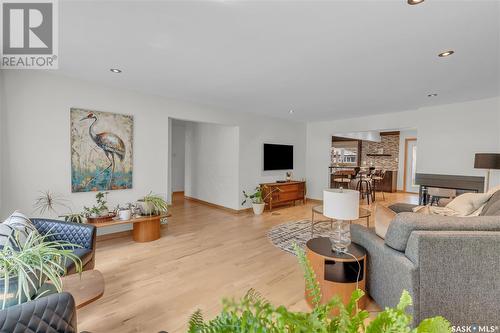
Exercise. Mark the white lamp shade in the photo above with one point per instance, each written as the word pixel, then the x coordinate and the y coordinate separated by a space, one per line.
pixel 341 204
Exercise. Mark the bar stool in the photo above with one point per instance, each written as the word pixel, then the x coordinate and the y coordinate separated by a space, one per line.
pixel 378 178
pixel 341 179
pixel 364 186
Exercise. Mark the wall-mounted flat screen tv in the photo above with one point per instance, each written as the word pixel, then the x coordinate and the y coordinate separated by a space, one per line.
pixel 278 157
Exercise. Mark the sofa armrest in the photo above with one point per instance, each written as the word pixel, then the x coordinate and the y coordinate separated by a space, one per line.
pixel 76 233
pixel 53 313
pixel 458 274
pixel 389 272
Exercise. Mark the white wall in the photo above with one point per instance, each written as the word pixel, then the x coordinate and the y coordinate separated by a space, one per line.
pixel 252 138
pixel 403 135
pixel 448 137
pixel 2 138
pixel 38 148
pixel 178 155
pixel 212 158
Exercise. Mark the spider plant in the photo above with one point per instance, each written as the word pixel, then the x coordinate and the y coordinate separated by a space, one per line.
pixel 153 204
pixel 74 217
pixel 254 314
pixel 26 266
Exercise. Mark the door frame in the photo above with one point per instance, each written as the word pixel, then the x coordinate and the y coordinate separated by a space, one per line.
pixel 407 140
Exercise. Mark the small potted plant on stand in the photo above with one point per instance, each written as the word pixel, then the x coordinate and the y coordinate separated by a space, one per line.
pixel 258 202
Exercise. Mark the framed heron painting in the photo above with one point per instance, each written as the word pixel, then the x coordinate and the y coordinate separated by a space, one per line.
pixel 101 150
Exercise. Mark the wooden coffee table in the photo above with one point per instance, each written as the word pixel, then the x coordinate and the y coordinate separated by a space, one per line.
pixel 145 228
pixel 363 213
pixel 85 288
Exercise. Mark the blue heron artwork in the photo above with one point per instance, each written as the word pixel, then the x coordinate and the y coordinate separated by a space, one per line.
pixel 101 150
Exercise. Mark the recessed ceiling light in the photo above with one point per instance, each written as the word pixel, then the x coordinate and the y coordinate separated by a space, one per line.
pixel 290 112
pixel 432 95
pixel 116 70
pixel 415 2
pixel 446 53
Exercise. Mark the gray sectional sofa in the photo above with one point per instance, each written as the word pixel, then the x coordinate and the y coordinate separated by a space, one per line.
pixel 450 265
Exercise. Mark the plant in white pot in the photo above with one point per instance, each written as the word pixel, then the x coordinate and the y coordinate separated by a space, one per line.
pixel 152 204
pixel 27 265
pixel 258 201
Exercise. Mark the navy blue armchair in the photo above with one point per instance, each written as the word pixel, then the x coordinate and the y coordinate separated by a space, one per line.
pixel 76 233
pixel 55 313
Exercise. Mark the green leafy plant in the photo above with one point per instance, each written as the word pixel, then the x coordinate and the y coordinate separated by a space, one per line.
pixel 74 217
pixel 29 264
pixel 256 196
pixel 100 208
pixel 153 204
pixel 253 314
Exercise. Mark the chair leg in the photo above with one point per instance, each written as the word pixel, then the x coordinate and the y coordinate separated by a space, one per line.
pixel 372 189
pixel 312 224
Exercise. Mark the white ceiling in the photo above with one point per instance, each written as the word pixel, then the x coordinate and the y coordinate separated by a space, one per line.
pixel 323 59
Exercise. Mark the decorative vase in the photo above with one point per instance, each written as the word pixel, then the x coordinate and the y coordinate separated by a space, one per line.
pixel 258 208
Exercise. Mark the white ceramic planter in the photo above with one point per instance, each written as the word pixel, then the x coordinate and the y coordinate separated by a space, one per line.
pixel 125 214
pixel 258 208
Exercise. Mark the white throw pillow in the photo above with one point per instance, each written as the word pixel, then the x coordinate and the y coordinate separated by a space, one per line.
pixel 16 225
pixel 383 218
pixel 468 203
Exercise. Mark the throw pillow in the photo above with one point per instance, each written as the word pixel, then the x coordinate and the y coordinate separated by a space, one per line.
pixel 492 207
pixel 468 203
pixel 383 218
pixel 16 225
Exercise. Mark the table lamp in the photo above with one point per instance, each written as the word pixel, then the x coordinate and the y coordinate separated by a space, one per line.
pixel 487 161
pixel 341 205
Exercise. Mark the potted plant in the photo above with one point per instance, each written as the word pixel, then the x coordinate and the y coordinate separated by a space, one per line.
pixel 255 314
pixel 124 212
pixel 152 204
pixel 50 203
pixel 74 217
pixel 258 202
pixel 98 210
pixel 26 266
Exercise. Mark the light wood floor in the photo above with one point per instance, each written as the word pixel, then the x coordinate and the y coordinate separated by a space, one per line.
pixel 204 254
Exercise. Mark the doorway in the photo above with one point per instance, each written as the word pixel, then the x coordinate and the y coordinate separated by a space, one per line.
pixel 410 165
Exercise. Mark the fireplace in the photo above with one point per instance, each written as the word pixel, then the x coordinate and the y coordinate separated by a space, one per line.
pixel 460 183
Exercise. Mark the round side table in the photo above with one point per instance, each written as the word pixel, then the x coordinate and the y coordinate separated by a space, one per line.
pixel 336 272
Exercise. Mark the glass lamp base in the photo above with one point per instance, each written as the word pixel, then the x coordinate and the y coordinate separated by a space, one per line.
pixel 341 238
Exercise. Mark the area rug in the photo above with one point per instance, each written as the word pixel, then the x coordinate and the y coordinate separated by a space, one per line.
pixel 285 235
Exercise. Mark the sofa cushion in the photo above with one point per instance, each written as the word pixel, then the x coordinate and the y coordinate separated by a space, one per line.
pixel 405 223
pixel 468 203
pixel 492 207
pixel 383 218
